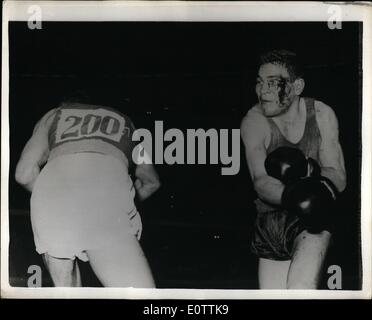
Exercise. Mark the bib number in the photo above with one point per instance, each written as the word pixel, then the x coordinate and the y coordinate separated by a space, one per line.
pixel 76 124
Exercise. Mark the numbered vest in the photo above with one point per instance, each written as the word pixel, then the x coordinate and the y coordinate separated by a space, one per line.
pixel 76 124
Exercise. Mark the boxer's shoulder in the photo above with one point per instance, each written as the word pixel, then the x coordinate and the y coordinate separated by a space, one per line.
pixel 255 117
pixel 322 108
pixel 46 121
pixel 254 123
pixel 49 116
pixel 324 113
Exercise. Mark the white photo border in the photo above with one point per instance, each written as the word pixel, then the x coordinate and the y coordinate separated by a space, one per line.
pixel 191 12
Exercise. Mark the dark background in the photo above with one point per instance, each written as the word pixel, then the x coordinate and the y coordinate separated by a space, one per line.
pixel 197 227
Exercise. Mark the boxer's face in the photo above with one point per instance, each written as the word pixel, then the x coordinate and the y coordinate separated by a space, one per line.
pixel 274 90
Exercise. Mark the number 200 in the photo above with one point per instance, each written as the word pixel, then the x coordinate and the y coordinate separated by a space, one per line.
pixel 89 125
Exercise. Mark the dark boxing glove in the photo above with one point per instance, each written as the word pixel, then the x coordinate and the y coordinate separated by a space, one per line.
pixel 314 168
pixel 286 164
pixel 312 200
pixel 289 164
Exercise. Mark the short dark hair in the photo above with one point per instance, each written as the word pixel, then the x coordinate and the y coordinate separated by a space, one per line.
pixel 285 58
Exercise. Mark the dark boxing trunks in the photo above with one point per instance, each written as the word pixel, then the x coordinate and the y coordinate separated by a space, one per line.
pixel 274 234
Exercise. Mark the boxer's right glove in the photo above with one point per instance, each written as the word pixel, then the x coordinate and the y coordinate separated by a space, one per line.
pixel 289 164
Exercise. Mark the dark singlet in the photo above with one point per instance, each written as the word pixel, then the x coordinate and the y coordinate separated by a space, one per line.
pixel 309 144
pixel 89 128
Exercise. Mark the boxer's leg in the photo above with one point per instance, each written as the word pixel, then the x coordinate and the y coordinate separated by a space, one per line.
pixel 122 264
pixel 273 229
pixel 64 272
pixel 308 258
pixel 272 274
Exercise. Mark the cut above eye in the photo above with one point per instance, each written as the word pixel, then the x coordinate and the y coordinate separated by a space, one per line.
pixel 272 82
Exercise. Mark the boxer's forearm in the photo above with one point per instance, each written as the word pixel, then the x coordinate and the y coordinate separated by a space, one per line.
pixel 145 190
pixel 337 177
pixel 269 189
pixel 147 181
pixel 26 175
pixel 30 186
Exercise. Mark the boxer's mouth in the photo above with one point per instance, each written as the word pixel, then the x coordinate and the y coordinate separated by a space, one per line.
pixel 266 101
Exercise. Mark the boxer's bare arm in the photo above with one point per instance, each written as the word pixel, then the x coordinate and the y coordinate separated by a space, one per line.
pixel 330 153
pixel 35 153
pixel 147 181
pixel 254 130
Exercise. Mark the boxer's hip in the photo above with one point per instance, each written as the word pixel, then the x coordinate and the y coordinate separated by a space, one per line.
pixel 82 198
pixel 274 233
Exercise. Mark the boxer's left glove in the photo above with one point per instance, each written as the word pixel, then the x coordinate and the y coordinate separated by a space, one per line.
pixel 313 201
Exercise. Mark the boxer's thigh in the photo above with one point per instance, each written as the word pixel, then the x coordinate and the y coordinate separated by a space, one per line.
pixel 121 264
pixel 309 253
pixel 274 234
pixel 272 274
pixel 64 272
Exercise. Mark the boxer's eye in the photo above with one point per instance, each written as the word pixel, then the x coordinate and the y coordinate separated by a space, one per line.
pixel 273 83
pixel 278 83
pixel 259 82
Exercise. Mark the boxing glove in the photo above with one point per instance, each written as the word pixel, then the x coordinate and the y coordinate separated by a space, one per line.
pixel 286 164
pixel 314 168
pixel 312 200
